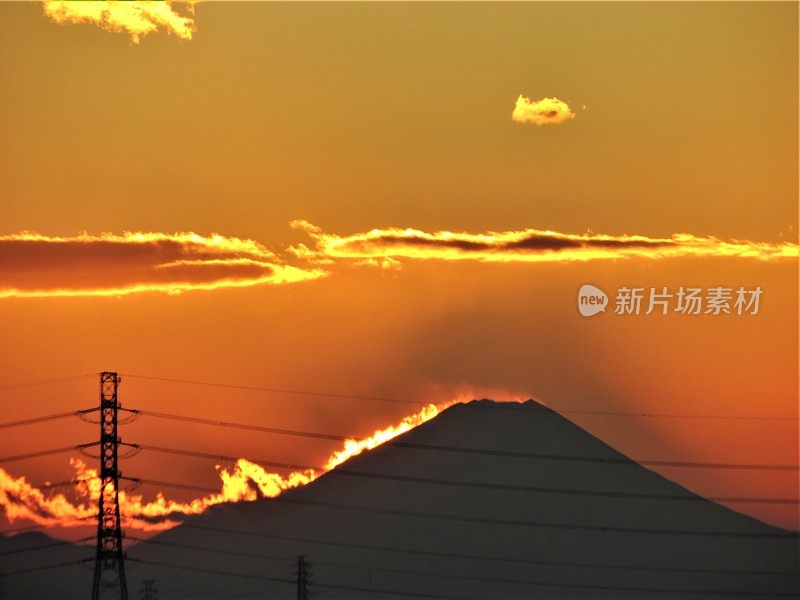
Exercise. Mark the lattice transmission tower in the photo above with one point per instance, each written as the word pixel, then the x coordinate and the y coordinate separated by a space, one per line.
pixel 109 566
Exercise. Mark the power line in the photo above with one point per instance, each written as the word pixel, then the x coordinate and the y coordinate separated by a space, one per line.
pixel 481 557
pixel 706 592
pixel 496 521
pixel 46 567
pixel 384 592
pixel 434 596
pixel 39 453
pixel 275 390
pixel 338 471
pixel 535 524
pixel 46 525
pixel 504 453
pixel 339 437
pixel 210 456
pixel 567 491
pixel 210 571
pixel 45 418
pixel 11 386
pixel 138 540
pixel 613 413
pixel 259 428
pixel 64 483
pixel 45 546
pixel 594 459
pixel 283 559
pixel 399 400
pixel 179 486
pixel 506 580
pixel 27 528
pixel 676 415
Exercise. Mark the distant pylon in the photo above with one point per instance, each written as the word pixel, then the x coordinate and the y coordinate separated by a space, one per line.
pixel 302 577
pixel 148 592
pixel 109 564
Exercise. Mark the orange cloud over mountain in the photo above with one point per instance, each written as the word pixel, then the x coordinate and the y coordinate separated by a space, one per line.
pixel 244 480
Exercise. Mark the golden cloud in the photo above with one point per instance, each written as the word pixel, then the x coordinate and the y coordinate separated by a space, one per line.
pixel 527 245
pixel 134 18
pixel 547 111
pixel 34 265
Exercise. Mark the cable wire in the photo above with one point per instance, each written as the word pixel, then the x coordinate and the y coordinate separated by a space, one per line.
pixel 45 567
pixel 481 557
pixel 45 418
pixel 344 472
pixel 274 390
pixel 592 459
pixel 710 592
pixel 45 546
pixel 705 592
pixel 614 413
pixel 536 524
pixel 211 571
pixel 11 386
pixel 283 559
pixel 39 453
pixel 498 521
pixel 45 525
pixel 138 540
pixel 399 400
pixel 247 426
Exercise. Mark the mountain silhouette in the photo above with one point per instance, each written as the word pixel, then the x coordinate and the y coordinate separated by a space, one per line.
pixel 487 500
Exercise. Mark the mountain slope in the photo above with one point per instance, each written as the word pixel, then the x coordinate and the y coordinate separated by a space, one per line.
pixel 427 516
pixel 545 537
pixel 33 549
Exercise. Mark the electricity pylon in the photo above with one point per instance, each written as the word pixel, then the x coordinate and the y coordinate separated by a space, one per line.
pixel 148 592
pixel 302 578
pixel 109 564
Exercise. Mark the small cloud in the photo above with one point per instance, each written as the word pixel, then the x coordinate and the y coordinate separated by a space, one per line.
pixel 134 18
pixel 547 111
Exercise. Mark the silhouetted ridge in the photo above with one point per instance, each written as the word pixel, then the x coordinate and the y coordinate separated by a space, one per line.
pixel 407 526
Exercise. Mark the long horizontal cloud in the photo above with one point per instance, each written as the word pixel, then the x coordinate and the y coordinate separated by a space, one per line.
pixel 527 245
pixel 134 18
pixel 33 265
pixel 547 111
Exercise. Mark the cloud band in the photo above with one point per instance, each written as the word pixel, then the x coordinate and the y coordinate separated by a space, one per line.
pixel 527 245
pixel 33 265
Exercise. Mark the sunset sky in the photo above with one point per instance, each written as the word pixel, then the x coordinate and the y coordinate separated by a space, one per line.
pixel 385 228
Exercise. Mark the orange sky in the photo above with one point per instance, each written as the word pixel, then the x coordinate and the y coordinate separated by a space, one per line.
pixel 358 117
